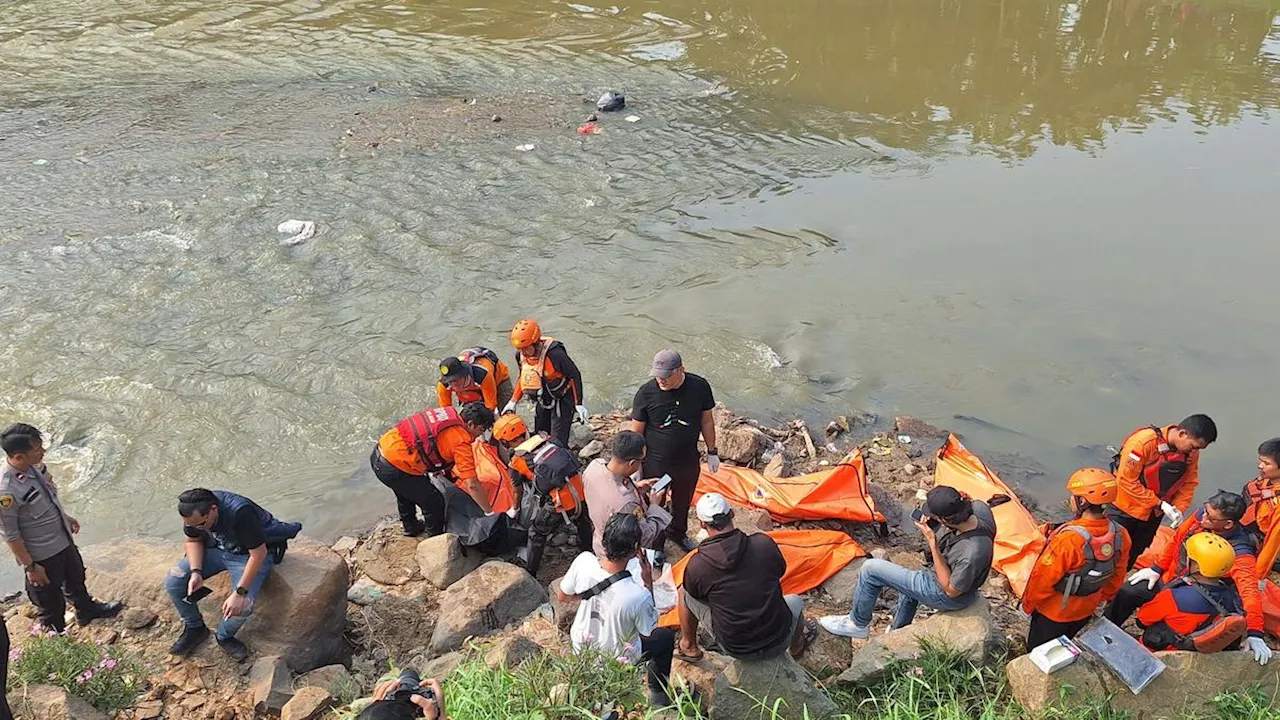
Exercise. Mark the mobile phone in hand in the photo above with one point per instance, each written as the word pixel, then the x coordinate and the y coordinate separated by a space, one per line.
pixel 662 484
pixel 195 597
pixel 917 515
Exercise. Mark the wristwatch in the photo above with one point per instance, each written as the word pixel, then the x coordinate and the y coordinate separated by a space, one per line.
pixel 242 591
pixel 197 571
pixel 29 568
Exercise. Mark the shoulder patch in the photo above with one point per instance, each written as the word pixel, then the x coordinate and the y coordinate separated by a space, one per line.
pixel 6 501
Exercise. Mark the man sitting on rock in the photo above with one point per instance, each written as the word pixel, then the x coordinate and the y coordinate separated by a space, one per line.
pixel 225 533
pixel 733 586
pixel 1198 611
pixel 617 614
pixel 961 536
pixel 611 487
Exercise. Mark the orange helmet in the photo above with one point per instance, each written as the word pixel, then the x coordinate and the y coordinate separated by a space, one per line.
pixel 1095 485
pixel 510 427
pixel 525 333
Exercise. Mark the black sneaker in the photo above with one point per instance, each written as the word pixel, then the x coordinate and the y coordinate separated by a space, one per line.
pixel 413 530
pixel 657 698
pixel 236 649
pixel 99 611
pixel 189 639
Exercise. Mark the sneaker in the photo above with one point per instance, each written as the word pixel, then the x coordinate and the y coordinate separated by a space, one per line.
pixel 657 698
pixel 844 626
pixel 414 530
pixel 189 639
pixel 236 649
pixel 99 611
pixel 685 543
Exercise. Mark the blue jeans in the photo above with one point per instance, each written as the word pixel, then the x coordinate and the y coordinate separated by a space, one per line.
pixel 215 561
pixel 913 586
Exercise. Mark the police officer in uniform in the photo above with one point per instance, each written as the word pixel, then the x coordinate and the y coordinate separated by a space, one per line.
pixel 39 532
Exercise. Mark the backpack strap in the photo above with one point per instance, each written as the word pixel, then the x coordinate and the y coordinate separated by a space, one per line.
pixel 604 584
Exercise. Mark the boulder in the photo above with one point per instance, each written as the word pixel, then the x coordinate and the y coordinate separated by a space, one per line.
pixel 967 631
pixel 300 614
pixel 336 679
pixel 46 702
pixel 344 545
pixel 827 655
pixel 591 450
pixel 443 560
pixel 309 703
pixel 1185 689
pixel 562 613
pixel 916 428
pixel 841 585
pixel 136 618
pixel 270 684
pixel 580 436
pixel 777 467
pixel 734 689
pixel 741 445
pixel 387 557
pixel 495 595
pixel 511 652
pixel 440 668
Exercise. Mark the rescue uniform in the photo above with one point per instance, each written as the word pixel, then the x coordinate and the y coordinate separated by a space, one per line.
pixel 546 511
pixel 1173 564
pixel 1149 471
pixel 1264 502
pixel 431 441
pixel 489 385
pixel 30 512
pixel 1183 608
pixel 554 383
pixel 1074 576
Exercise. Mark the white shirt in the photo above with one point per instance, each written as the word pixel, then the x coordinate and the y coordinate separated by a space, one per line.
pixel 614 620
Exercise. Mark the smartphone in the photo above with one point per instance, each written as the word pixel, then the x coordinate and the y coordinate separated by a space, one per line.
pixel 917 515
pixel 662 484
pixel 195 597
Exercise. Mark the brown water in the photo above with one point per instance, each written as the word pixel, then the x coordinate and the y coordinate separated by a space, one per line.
pixel 1057 217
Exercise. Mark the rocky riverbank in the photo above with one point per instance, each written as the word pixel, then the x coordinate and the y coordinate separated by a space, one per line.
pixel 332 620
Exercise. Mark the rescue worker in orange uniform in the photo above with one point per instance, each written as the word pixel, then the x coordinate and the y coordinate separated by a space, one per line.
pixel 1220 516
pixel 551 380
pixel 499 493
pixel 1263 493
pixel 1158 470
pixel 475 375
pixel 553 490
pixel 430 442
pixel 1082 564
pixel 1198 611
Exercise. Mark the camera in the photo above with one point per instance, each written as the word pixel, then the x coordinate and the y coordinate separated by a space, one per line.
pixel 408 685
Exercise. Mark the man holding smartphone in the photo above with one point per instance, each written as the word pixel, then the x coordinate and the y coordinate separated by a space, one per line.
pixel 614 486
pixel 670 411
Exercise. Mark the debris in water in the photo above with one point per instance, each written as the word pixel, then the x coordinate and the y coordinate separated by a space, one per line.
pixel 300 231
pixel 41 161
pixel 373 88
pixel 904 439
pixel 525 148
pixel 611 101
pixel 496 118
pixel 633 118
pixel 589 129
pixel 592 118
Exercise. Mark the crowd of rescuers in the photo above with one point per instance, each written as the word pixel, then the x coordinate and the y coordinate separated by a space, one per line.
pixel 1201 593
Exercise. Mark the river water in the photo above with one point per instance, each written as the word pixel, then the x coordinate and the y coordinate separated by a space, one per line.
pixel 1058 217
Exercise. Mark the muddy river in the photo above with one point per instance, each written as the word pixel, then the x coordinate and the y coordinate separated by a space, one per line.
pixel 1057 217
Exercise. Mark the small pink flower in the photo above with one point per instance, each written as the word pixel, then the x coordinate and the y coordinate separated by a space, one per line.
pixel 624 660
pixel 916 671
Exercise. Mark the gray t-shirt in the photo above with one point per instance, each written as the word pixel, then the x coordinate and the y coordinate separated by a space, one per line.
pixel 30 512
pixel 969 554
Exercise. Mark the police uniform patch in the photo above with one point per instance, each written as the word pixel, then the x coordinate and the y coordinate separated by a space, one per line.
pixel 6 502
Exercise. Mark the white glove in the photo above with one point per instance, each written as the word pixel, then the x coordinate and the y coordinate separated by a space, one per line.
pixel 1171 513
pixel 1147 575
pixel 512 513
pixel 509 407
pixel 713 463
pixel 1259 648
pixel 582 414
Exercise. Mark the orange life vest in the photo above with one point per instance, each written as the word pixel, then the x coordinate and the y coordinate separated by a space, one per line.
pixel 540 377
pixel 420 430
pixel 1100 553
pixel 1166 473
pixel 493 476
pixel 560 478
pixel 1264 499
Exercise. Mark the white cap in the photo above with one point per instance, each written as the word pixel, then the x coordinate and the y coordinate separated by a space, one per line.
pixel 713 506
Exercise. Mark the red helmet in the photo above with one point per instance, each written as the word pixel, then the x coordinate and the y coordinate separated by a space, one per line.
pixel 525 333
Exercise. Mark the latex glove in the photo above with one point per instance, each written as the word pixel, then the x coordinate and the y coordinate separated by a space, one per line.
pixel 512 513
pixel 1259 648
pixel 713 463
pixel 1172 513
pixel 1147 575
pixel 582 414
pixel 510 407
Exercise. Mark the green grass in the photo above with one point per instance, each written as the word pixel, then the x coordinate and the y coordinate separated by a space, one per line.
pixel 98 674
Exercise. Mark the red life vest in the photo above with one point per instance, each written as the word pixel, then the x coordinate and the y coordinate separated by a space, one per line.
pixel 420 430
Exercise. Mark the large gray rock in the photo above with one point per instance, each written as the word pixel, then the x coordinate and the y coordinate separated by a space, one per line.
pixel 511 652
pixel 1185 689
pixel 733 689
pixel 309 703
pixel 968 631
pixel 270 684
pixel 444 561
pixel 387 557
pixel 336 679
pixel 299 615
pixel 495 595
pixel 841 585
pixel 580 436
pixel 45 702
pixel 741 445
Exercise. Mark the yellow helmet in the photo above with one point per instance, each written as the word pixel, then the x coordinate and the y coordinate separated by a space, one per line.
pixel 1212 553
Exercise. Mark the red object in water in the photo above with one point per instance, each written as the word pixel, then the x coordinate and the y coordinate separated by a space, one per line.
pixel 589 129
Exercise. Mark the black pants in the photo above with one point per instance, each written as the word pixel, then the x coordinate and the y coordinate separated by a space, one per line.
pixel 66 582
pixel 546 522
pixel 555 420
pixel 1141 533
pixel 1043 629
pixel 657 650
pixel 5 712
pixel 1128 600
pixel 412 492
pixel 684 481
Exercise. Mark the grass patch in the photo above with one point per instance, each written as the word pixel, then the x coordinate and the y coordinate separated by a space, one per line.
pixel 98 674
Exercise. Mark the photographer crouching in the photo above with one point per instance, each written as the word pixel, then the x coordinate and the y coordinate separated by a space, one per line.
pixel 406 697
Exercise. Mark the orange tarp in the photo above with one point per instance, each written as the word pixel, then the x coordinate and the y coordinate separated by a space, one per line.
pixel 839 493
pixel 1018 536
pixel 812 556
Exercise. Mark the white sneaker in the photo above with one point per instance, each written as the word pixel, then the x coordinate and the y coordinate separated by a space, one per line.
pixel 844 626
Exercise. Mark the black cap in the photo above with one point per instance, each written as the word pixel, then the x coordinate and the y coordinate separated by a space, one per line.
pixel 945 502
pixel 451 368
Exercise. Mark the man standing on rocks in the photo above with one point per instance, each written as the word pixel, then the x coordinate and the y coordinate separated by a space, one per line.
pixel 225 532
pixel 670 411
pixel 611 487
pixel 550 378
pixel 39 532
pixel 961 537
